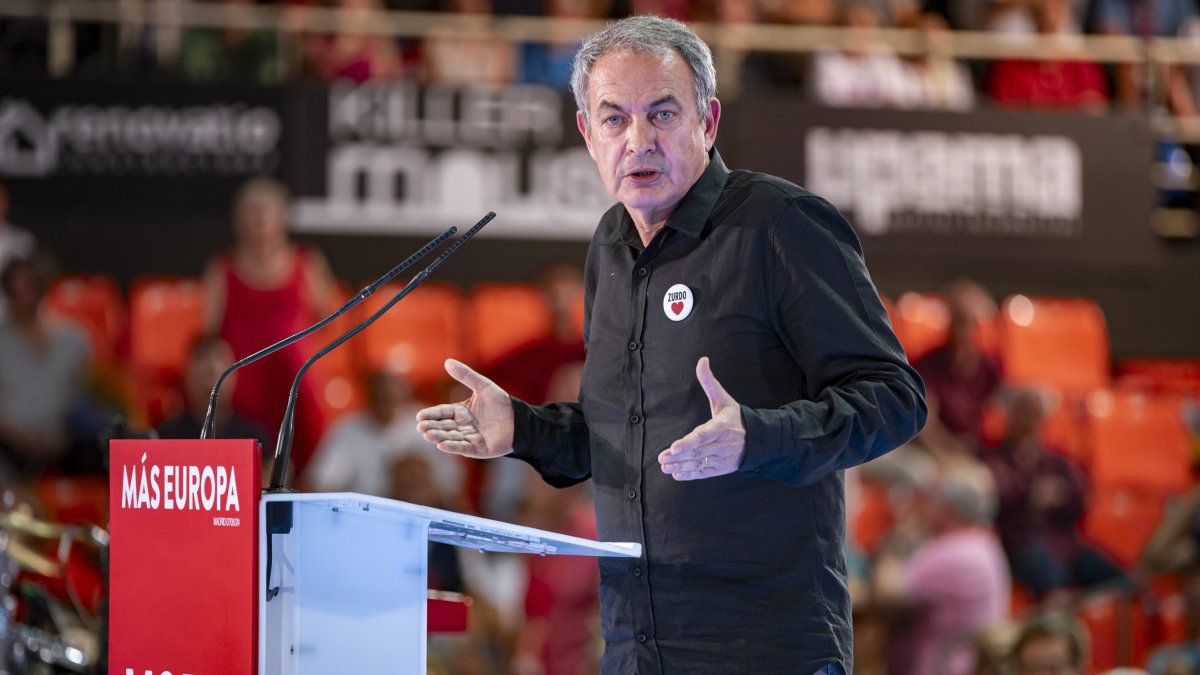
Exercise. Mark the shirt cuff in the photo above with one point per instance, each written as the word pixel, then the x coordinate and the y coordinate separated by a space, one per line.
pixel 759 435
pixel 525 442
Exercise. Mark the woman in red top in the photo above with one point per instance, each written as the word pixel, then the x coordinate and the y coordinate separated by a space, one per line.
pixel 1074 83
pixel 263 290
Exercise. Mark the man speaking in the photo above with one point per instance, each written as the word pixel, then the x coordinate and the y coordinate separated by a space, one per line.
pixel 738 359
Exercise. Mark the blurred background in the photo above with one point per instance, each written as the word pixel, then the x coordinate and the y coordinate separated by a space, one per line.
pixel 183 182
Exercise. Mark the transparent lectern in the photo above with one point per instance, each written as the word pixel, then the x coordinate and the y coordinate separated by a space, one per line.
pixel 343 578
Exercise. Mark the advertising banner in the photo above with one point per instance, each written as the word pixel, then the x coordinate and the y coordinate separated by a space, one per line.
pixel 1019 188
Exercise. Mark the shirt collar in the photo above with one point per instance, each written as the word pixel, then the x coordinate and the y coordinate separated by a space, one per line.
pixel 691 216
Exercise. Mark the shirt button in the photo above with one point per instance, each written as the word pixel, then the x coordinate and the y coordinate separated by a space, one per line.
pixel 641 637
pixel 637 571
pixel 642 272
pixel 633 346
pixel 632 494
pixel 634 419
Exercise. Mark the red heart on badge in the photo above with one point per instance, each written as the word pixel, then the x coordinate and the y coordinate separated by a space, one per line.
pixel 677 307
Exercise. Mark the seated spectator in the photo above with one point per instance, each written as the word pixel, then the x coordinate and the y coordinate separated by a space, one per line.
pixel 231 54
pixel 1042 501
pixel 455 57
pixel 411 479
pixel 1050 644
pixel 526 371
pixel 354 51
pixel 262 291
pixel 357 451
pixel 1135 82
pixel 549 63
pixel 953 587
pixel 1073 82
pixel 936 81
pixel 864 75
pixel 14 242
pixel 1175 659
pixel 562 604
pixel 959 378
pixel 210 356
pixel 44 371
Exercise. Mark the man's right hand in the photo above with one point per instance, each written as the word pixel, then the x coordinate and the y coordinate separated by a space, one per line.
pixel 480 427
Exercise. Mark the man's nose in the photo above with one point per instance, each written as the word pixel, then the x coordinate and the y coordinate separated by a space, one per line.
pixel 643 137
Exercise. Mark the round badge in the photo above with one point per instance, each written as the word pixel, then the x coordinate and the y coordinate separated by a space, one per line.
pixel 677 303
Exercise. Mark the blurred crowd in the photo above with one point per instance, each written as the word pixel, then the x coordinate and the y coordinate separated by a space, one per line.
pixel 865 72
pixel 980 547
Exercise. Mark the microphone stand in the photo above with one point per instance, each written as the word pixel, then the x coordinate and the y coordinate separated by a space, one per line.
pixel 283 446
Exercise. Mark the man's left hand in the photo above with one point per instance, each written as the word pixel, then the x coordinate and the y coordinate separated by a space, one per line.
pixel 714 448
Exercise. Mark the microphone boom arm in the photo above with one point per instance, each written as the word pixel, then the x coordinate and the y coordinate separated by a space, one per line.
pixel 283 445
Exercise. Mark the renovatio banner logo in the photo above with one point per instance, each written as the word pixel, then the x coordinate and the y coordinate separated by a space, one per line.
pixel 41 139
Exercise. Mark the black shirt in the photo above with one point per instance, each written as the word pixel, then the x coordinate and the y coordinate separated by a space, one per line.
pixel 742 573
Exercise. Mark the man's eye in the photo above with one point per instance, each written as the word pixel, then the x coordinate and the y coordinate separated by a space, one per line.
pixel 665 115
pixel 612 120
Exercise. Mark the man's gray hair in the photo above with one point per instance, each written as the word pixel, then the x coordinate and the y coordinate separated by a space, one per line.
pixel 652 35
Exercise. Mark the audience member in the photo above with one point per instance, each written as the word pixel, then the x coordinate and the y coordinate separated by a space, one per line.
pixel 1051 643
pixel 14 242
pixel 954 586
pixel 866 74
pixel 354 51
pixel 210 356
pixel 412 478
pixel 562 604
pixel 465 57
pixel 1042 501
pixel 526 371
pixel 231 54
pixel 44 370
pixel 959 377
pixel 549 63
pixel 1147 19
pixel 935 81
pixel 355 454
pixel 1072 82
pixel 263 290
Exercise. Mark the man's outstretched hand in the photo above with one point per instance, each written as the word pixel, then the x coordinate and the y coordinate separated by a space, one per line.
pixel 480 427
pixel 714 448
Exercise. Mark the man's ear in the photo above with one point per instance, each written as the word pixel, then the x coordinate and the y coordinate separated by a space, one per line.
pixel 583 131
pixel 712 117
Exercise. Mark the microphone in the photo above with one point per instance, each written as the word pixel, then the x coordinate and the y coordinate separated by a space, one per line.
pixel 283 446
pixel 207 428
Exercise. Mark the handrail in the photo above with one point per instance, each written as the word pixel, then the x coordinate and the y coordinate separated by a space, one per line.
pixel 174 14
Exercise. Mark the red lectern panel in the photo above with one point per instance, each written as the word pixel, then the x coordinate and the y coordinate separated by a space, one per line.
pixel 184 526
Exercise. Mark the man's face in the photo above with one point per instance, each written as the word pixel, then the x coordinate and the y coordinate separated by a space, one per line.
pixel 646 136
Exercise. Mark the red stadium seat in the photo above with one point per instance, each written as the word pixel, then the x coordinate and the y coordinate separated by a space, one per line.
pixel 1060 342
pixel 1137 440
pixel 1181 376
pixel 339 373
pixel 416 336
pixel 921 321
pixel 874 518
pixel 166 315
pixel 506 316
pixel 1121 522
pixel 1100 614
pixel 95 304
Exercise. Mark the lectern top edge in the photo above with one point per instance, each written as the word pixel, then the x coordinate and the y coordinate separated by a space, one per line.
pixel 464 530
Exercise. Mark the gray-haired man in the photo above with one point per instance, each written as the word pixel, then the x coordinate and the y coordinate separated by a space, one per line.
pixel 738 359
